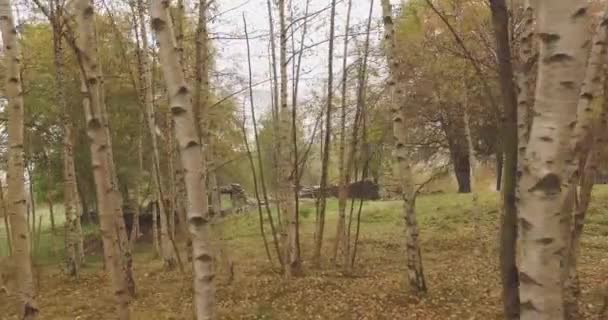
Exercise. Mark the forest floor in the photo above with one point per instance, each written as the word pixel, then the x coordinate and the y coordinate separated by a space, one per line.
pixel 461 285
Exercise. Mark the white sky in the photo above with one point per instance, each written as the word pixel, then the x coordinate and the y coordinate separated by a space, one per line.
pixel 232 53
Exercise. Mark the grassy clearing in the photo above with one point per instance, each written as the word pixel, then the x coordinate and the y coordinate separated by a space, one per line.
pixel 462 286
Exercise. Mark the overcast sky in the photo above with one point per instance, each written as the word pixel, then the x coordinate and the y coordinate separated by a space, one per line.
pixel 232 52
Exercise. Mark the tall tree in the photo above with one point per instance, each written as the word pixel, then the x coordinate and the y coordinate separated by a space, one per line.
pixel 583 168
pixel 166 249
pixel 260 162
pixel 108 197
pixel 508 233
pixel 191 155
pixel 202 95
pixel 16 183
pixel 563 30
pixel 402 165
pixel 288 210
pixel 342 191
pixel 70 189
pixel 322 197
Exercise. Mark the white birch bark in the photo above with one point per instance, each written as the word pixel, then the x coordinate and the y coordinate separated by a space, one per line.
pixel 191 155
pixel 562 29
pixel 16 183
pixel 402 167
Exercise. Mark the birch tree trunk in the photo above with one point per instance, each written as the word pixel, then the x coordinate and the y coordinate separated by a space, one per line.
pixel 589 170
pixel 201 102
pixel 524 81
pixel 166 250
pixel 202 94
pixel 585 160
pixel 192 161
pixel 562 27
pixel 16 183
pixel 69 171
pixel 101 159
pixel 341 223
pixel 292 249
pixel 402 166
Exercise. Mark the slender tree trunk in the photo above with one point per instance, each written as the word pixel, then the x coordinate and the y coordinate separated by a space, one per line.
pixel 49 198
pixel 293 265
pixel 192 160
pixel 201 103
pixel 524 81
pixel 117 201
pixel 563 31
pixel 365 158
pixel 135 229
pixel 476 213
pixel 341 223
pixel 257 196
pixel 79 238
pixel 166 250
pixel 155 233
pixel 402 164
pixel 296 68
pixel 16 183
pixel 586 167
pixel 351 163
pixel 70 195
pixel 32 206
pixel 508 233
pixel 322 197
pixel 7 228
pixel 275 123
pixel 108 197
pixel 260 163
pixel 202 95
pixel 589 169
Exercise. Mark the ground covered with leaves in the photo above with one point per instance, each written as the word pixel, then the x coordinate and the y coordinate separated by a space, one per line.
pixel 462 285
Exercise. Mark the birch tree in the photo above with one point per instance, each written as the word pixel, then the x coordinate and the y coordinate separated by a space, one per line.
pixel 562 28
pixel 402 166
pixel 28 309
pixel 70 189
pixel 166 249
pixel 108 198
pixel 191 155
pixel 287 201
pixel 582 170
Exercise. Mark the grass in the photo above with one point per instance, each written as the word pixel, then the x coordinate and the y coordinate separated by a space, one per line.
pixel 462 286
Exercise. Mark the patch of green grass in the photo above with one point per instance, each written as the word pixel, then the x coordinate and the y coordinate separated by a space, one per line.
pixel 306 212
pixel 48 246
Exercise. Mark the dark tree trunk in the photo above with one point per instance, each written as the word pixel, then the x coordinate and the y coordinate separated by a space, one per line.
pixel 462 169
pixel 453 127
pixel 499 167
pixel 508 232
